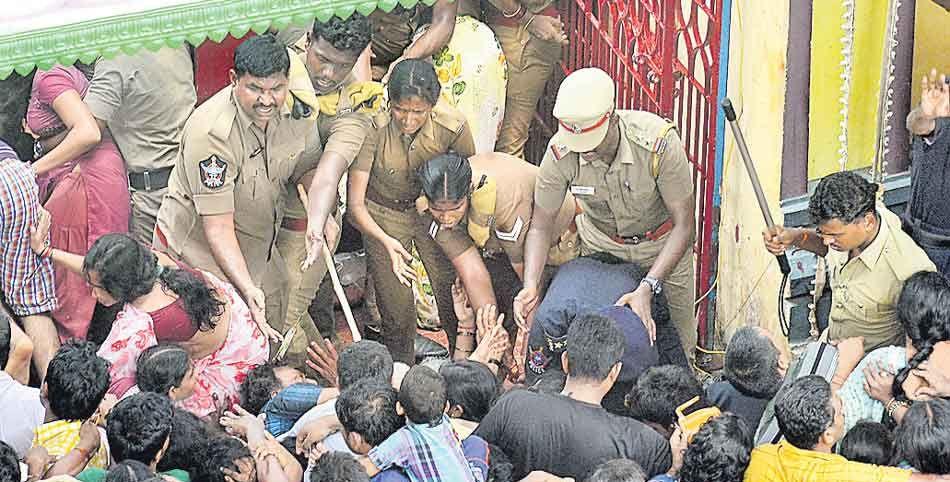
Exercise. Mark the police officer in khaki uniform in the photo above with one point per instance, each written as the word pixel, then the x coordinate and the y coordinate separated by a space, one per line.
pixel 482 205
pixel 629 173
pixel 869 258
pixel 239 152
pixel 382 192
pixel 329 53
pixel 531 35
pixel 144 101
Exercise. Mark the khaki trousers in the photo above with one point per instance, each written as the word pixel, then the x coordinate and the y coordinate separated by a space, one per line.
pixel 395 300
pixel 299 289
pixel 145 206
pixel 530 63
pixel 679 285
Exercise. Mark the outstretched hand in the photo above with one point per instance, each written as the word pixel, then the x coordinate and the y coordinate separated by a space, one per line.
pixel 257 304
pixel 935 95
pixel 317 235
pixel 238 422
pixel 322 357
pixel 39 231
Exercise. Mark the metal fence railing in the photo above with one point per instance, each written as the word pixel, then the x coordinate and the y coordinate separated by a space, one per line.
pixel 664 55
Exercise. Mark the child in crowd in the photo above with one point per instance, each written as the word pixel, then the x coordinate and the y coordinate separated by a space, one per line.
pixel 76 383
pixel 283 394
pixel 427 448
pixel 166 369
pixel 869 443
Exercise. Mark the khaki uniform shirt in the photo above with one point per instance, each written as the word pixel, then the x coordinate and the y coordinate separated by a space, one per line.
pixel 392 158
pixel 625 197
pixel 342 133
pixel 392 33
pixel 864 290
pixel 514 204
pixel 145 99
pixel 229 165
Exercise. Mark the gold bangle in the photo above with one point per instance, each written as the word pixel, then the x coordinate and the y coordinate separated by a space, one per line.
pixel 518 11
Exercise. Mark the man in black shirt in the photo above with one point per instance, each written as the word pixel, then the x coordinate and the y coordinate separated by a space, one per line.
pixel 927 218
pixel 569 434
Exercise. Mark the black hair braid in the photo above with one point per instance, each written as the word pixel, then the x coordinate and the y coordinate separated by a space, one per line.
pixel 200 300
pixel 923 352
pixel 924 311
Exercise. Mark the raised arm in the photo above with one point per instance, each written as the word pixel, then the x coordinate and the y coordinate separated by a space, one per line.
pixel 777 239
pixel 82 132
pixel 934 103
pixel 439 32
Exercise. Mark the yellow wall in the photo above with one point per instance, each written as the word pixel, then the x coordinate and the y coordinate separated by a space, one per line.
pixel 757 88
pixel 931 44
pixel 826 70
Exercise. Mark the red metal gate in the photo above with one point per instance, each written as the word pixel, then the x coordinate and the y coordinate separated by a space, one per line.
pixel 664 55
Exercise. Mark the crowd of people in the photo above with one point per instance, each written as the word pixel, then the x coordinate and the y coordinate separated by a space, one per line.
pixel 160 262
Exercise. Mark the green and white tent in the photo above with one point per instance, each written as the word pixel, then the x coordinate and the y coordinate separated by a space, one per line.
pixel 41 33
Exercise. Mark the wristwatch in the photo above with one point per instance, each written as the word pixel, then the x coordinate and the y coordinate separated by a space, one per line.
pixel 656 286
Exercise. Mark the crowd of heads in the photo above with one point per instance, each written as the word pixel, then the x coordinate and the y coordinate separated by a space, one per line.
pixel 147 434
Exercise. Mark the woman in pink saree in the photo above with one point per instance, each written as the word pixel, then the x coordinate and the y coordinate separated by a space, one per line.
pixel 166 302
pixel 82 181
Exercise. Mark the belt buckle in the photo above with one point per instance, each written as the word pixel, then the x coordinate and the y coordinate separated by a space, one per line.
pixel 148 181
pixel 634 240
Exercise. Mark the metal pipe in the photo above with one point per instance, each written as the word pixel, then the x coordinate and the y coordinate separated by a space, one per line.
pixel 753 176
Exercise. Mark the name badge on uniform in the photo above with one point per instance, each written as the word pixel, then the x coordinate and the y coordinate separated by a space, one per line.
pixel 582 190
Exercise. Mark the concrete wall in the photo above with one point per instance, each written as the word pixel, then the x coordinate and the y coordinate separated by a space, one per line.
pixel 748 276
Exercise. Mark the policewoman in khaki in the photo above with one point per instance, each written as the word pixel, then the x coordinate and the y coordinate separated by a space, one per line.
pixel 239 151
pixel 328 53
pixel 382 192
pixel 629 173
pixel 482 205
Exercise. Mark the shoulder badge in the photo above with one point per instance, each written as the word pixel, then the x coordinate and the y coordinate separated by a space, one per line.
pixel 649 131
pixel 448 117
pixel 559 151
pixel 213 172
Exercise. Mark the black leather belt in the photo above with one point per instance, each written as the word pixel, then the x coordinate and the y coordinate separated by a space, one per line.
pixel 924 238
pixel 152 180
pixel 394 204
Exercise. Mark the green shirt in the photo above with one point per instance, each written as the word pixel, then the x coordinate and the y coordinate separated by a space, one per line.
pixel 99 475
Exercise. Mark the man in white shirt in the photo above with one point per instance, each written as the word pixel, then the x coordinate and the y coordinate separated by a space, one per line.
pixel 21 403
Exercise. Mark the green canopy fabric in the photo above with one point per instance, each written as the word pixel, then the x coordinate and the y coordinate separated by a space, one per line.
pixel 23 49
